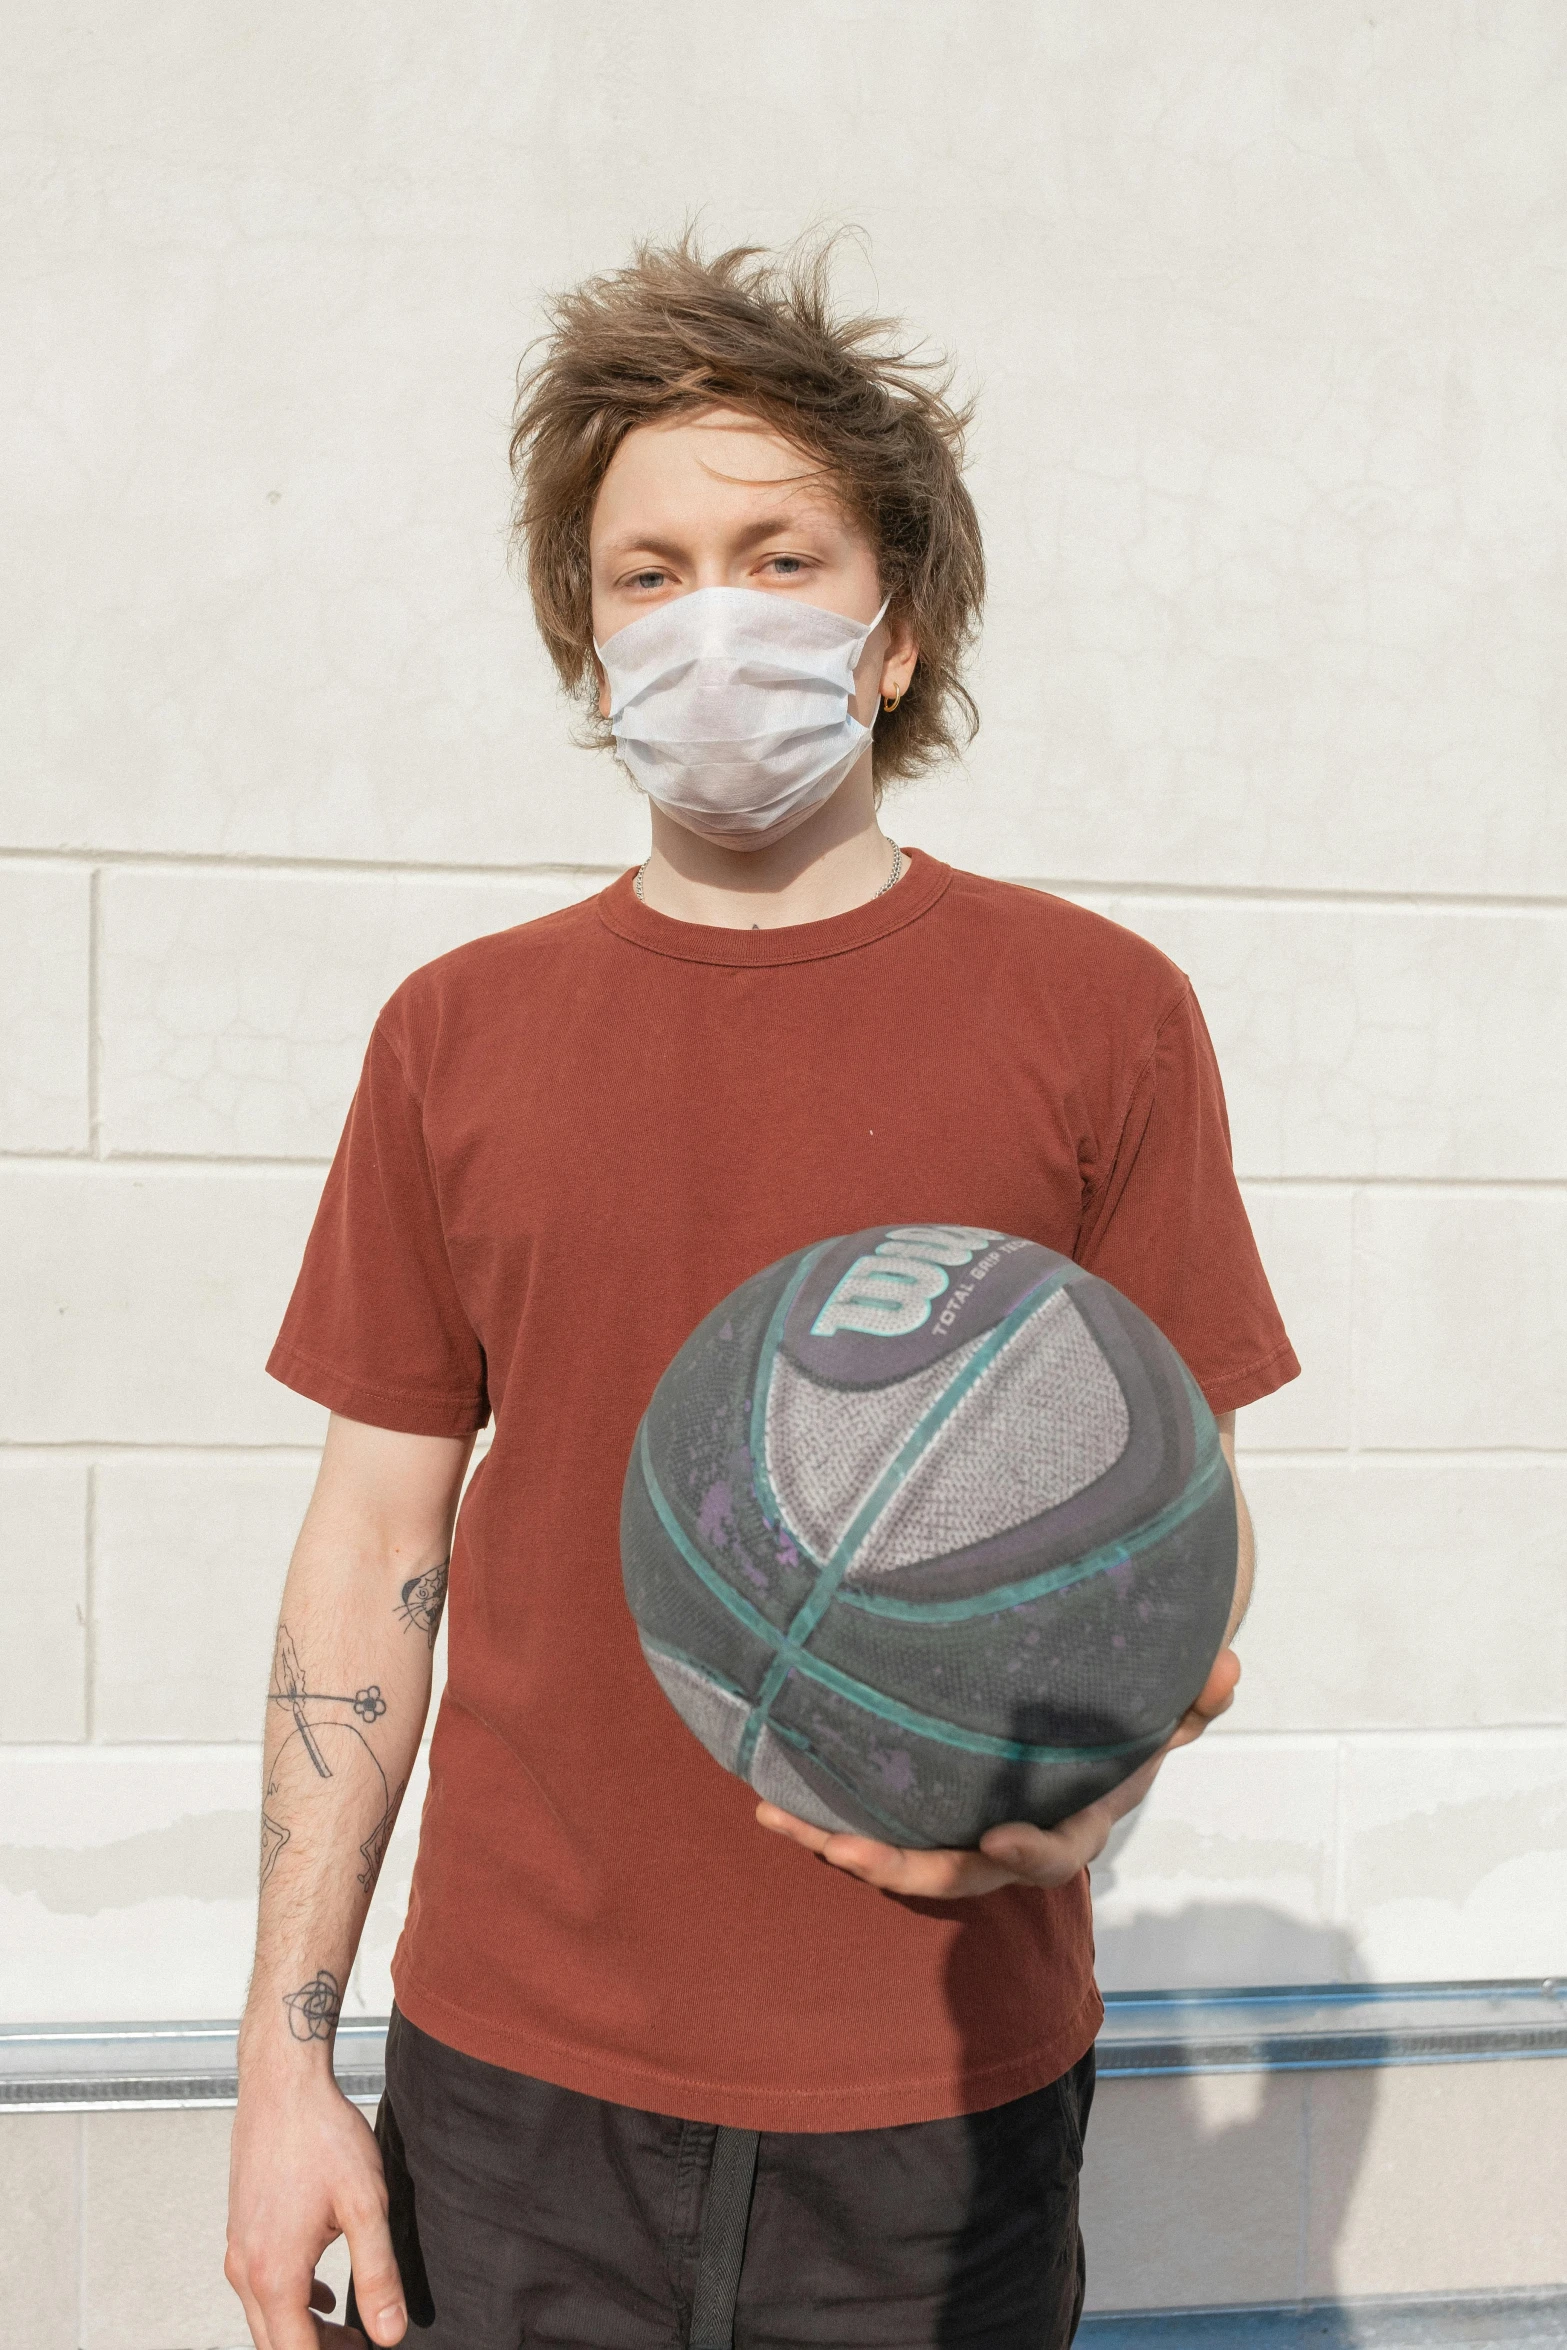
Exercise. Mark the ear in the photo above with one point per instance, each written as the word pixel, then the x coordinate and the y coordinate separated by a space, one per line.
pixel 603 701
pixel 901 658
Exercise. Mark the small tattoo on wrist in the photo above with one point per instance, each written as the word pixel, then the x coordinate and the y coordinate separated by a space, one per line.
pixel 314 2008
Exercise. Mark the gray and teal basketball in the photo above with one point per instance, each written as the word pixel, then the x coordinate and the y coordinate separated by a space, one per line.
pixel 926 1529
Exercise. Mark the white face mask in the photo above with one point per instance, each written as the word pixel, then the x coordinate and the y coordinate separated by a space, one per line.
pixel 731 708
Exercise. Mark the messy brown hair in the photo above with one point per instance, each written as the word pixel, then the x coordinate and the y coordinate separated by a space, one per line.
pixel 675 333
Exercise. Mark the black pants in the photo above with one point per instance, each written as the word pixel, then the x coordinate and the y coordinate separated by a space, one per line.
pixel 529 2215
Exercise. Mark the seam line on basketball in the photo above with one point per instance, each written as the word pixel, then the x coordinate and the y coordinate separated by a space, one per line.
pixel 724 1593
pixel 1204 1481
pixel 844 1683
pixel 811 1610
pixel 918 1441
pixel 761 1478
pixel 794 1742
pixel 889 1709
pixel 694 1664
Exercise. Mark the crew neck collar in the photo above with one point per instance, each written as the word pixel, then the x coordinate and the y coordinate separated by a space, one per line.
pixel 922 883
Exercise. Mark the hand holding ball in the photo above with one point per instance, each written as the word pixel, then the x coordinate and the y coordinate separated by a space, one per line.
pixel 925 1530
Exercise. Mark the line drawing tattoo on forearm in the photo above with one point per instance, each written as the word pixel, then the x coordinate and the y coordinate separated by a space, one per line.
pixel 373 1849
pixel 333 1747
pixel 289 1689
pixel 314 2008
pixel 273 1838
pixel 424 1598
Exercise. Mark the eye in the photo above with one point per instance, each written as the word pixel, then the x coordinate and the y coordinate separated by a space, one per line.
pixel 785 566
pixel 646 581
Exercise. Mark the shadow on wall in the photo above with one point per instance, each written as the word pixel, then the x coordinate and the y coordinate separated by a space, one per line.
pixel 1223 2187
pixel 1208 2188
pixel 1207 1944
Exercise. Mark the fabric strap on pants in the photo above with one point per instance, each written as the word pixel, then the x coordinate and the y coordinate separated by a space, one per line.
pixel 724 2224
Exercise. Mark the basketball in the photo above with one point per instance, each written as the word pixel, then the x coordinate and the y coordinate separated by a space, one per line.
pixel 926 1529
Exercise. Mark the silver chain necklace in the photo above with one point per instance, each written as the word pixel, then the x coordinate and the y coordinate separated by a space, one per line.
pixel 895 875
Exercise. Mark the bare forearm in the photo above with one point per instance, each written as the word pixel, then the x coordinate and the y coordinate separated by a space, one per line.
pixel 345 1709
pixel 349 1691
pixel 346 1704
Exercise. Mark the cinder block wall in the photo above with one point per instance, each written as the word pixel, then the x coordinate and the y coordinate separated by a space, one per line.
pixel 1233 2187
pixel 1265 329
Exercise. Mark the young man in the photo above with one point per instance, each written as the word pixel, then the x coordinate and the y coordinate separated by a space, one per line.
pixel 641 2030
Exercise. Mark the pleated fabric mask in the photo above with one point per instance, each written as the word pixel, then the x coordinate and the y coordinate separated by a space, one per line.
pixel 730 707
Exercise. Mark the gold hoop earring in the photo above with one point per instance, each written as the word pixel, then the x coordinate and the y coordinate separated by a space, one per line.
pixel 891 701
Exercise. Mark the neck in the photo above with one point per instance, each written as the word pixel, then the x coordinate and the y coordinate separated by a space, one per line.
pixel 837 859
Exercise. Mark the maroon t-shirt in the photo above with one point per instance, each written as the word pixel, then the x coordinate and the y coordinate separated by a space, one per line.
pixel 570 1141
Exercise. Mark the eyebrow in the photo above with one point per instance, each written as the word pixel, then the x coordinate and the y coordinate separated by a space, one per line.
pixel 773 525
pixel 634 543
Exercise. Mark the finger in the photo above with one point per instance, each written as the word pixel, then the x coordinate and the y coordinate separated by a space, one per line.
pixel 1130 1793
pixel 1051 1856
pixel 1217 1693
pixel 942 1875
pixel 275 2303
pixel 786 1823
pixel 259 2333
pixel 323 2298
pixel 378 2288
pixel 929 1876
pixel 1214 1698
pixel 281 2319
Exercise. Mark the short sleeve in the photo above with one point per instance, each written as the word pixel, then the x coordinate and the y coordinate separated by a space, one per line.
pixel 1165 1224
pixel 375 1328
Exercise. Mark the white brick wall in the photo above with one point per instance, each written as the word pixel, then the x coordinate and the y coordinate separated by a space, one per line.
pixel 1266 341
pixel 241 1001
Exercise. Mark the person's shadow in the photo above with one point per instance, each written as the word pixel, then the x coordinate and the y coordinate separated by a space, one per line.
pixel 1223 2187
pixel 1198 2189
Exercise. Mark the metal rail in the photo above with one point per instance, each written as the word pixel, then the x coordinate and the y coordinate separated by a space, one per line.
pixel 1457 2321
pixel 1313 2027
pixel 1331 2027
